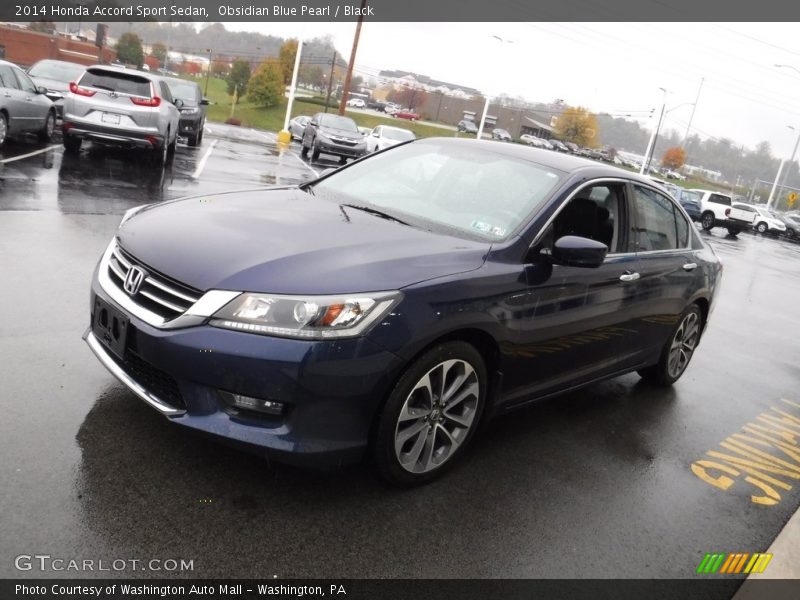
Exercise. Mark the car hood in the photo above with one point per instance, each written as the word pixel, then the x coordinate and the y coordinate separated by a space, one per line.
pixel 286 241
pixel 345 133
pixel 51 84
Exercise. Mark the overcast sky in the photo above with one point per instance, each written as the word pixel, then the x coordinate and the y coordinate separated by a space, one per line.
pixel 613 67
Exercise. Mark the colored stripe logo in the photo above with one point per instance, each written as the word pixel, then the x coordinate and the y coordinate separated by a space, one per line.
pixel 733 563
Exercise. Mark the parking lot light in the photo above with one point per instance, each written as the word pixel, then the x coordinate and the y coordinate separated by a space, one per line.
pixel 285 136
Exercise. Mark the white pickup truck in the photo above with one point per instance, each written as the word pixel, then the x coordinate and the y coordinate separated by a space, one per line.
pixel 716 211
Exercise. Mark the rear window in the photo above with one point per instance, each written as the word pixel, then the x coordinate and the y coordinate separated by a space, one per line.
pixel 113 81
pixel 719 199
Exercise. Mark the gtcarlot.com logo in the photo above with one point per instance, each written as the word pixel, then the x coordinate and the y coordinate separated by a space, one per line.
pixel 733 563
pixel 45 562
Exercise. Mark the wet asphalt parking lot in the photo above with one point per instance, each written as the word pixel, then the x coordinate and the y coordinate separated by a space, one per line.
pixel 609 481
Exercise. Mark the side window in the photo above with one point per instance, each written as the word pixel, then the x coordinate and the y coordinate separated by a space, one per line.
pixel 25 82
pixel 656 223
pixel 594 213
pixel 719 199
pixel 7 78
pixel 165 93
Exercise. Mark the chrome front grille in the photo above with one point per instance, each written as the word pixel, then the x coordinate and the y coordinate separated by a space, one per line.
pixel 157 293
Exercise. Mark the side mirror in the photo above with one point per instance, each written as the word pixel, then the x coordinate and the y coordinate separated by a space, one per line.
pixel 312 123
pixel 204 102
pixel 40 89
pixel 575 251
pixel 375 134
pixel 178 103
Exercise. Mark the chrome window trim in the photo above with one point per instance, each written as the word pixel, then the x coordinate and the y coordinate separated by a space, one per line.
pixel 208 304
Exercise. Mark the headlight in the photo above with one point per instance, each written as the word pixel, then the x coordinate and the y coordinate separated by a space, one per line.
pixel 190 111
pixel 305 317
pixel 130 212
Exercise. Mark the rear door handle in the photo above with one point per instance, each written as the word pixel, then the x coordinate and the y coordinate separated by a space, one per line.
pixel 629 276
pixel 689 266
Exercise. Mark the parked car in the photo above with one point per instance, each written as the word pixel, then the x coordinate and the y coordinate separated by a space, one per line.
pixel 55 76
pixel 536 142
pixel 376 105
pixel 467 126
pixel 763 220
pixel 387 309
pixel 572 147
pixel 691 202
pixel 558 146
pixel 391 108
pixel 119 107
pixel 670 174
pixel 193 111
pixel 792 224
pixel 24 107
pixel 501 134
pixel 297 126
pixel 406 114
pixel 716 211
pixel 356 103
pixel 671 188
pixel 332 134
pixel 384 136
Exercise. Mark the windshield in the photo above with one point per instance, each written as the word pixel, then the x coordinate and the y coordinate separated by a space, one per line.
pixel 337 122
pixel 690 195
pixel 398 134
pixel 184 91
pixel 58 71
pixel 475 192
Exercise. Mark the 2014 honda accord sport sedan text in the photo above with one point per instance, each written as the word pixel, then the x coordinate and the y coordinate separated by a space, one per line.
pixel 386 309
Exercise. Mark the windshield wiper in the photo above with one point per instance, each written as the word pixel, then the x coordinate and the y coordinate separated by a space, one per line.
pixel 374 211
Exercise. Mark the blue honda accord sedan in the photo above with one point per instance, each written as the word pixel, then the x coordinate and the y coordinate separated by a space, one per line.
pixel 386 309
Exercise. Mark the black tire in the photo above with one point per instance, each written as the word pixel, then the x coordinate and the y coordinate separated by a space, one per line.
pixel 3 128
pixel 661 374
pixel 72 145
pixel 172 146
pixel 429 426
pixel 200 133
pixel 303 148
pixel 762 228
pixel 159 157
pixel 45 134
pixel 342 160
pixel 314 150
pixel 193 139
pixel 734 231
pixel 707 221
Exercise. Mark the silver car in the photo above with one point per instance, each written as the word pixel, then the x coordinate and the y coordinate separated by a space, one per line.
pixel 121 107
pixel 24 108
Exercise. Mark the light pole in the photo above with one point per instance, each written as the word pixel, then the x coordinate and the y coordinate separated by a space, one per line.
pixel 780 169
pixel 652 141
pixel 208 71
pixel 486 104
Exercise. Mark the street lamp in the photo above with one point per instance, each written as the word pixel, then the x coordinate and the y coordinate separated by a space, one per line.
pixel 780 167
pixel 486 104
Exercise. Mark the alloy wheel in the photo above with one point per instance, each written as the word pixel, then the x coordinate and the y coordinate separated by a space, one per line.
pixel 3 129
pixel 683 344
pixel 50 125
pixel 437 416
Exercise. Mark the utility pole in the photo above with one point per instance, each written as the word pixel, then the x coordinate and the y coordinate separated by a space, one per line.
pixel 208 71
pixel 349 77
pixel 330 81
pixel 691 117
pixel 653 136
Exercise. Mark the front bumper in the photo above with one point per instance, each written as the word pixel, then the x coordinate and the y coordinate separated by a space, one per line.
pixel 331 390
pixel 189 124
pixel 332 147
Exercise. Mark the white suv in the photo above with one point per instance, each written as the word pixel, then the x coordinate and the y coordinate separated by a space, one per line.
pixel 763 220
pixel 716 210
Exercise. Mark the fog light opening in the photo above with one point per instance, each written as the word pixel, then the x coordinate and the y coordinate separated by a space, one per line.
pixel 260 405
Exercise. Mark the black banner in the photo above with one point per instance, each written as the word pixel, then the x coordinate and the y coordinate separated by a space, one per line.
pixel 398 11
pixel 505 589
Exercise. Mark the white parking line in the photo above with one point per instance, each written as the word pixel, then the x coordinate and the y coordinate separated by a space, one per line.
pixel 201 165
pixel 29 154
pixel 305 164
pixel 208 129
pixel 270 137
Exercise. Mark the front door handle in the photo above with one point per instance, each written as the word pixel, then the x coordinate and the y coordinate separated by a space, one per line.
pixel 689 266
pixel 629 276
